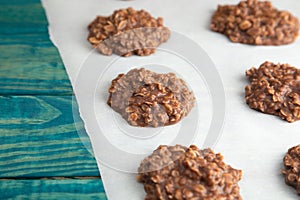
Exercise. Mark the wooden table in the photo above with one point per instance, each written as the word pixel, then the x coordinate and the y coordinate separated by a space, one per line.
pixel 45 152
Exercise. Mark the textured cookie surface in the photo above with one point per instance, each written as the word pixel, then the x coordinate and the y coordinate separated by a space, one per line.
pixel 145 98
pixel 292 167
pixel 274 89
pixel 178 172
pixel 127 32
pixel 255 22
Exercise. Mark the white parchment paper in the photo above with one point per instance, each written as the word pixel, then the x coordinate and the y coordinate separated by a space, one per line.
pixel 251 141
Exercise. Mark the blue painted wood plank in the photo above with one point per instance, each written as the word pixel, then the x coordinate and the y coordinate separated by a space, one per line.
pixel 40 136
pixel 22 17
pixel 43 136
pixel 30 39
pixel 29 62
pixel 27 69
pixel 52 189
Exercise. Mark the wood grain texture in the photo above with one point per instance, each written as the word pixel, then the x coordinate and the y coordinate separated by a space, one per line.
pixel 43 136
pixel 29 62
pixel 21 16
pixel 34 70
pixel 41 133
pixel 52 189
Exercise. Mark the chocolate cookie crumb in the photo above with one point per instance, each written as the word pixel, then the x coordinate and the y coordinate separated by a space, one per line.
pixel 255 22
pixel 292 168
pixel 178 172
pixel 127 32
pixel 274 89
pixel 145 98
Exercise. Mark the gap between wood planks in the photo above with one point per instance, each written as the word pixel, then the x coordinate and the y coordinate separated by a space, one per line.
pixel 51 178
pixel 37 94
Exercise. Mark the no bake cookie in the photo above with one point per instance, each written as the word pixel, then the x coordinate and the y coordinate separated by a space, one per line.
pixel 274 89
pixel 146 98
pixel 178 172
pixel 292 167
pixel 255 22
pixel 127 32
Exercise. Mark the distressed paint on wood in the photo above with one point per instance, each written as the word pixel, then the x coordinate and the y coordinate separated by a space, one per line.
pixel 21 16
pixel 52 189
pixel 34 70
pixel 40 136
pixel 29 62
pixel 43 136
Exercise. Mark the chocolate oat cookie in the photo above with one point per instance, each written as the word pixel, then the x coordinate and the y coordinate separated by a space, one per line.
pixel 178 172
pixel 255 22
pixel 145 98
pixel 292 167
pixel 127 32
pixel 274 89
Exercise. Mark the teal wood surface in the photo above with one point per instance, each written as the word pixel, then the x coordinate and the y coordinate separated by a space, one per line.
pixel 52 189
pixel 35 70
pixel 37 67
pixel 43 136
pixel 21 16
